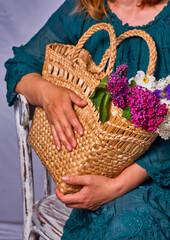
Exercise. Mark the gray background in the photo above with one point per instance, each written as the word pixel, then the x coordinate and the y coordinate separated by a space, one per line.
pixel 19 21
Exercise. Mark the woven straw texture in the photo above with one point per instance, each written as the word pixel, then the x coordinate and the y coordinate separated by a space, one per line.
pixel 103 149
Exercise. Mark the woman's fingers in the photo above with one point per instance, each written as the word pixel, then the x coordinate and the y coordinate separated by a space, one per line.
pixel 96 191
pixel 62 128
pixel 76 200
pixel 57 131
pixel 76 99
pixel 58 105
pixel 72 118
pixel 65 131
pixel 68 198
pixel 68 131
pixel 62 135
pixel 78 180
pixel 56 138
pixel 64 121
pixel 70 114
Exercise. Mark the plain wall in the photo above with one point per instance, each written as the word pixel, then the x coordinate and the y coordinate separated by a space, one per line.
pixel 19 21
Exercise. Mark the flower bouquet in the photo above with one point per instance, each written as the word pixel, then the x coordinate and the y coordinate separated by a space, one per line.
pixel 145 101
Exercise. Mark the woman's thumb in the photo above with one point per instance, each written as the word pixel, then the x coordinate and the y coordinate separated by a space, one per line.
pixel 77 100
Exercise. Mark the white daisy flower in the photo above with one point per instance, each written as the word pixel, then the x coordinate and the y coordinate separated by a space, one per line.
pixel 143 80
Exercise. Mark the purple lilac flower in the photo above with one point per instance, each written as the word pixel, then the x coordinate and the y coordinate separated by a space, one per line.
pixel 122 69
pixel 146 110
pixel 118 86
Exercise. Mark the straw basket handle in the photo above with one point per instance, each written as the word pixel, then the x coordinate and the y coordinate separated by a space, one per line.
pixel 108 54
pixel 150 42
pixel 151 45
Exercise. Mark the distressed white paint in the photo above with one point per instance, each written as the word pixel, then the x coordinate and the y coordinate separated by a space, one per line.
pixel 46 217
pixel 25 163
pixel 50 210
pixel 47 183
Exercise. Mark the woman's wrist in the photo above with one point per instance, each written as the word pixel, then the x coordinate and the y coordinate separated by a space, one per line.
pixel 32 86
pixel 43 90
pixel 128 180
pixel 116 188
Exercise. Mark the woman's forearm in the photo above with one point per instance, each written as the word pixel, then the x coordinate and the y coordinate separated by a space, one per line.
pixel 99 190
pixel 57 103
pixel 129 179
pixel 31 86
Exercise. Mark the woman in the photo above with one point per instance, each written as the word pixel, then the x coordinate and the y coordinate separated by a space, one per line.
pixel 135 204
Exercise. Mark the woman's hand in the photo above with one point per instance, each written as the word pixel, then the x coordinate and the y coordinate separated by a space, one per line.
pixel 57 103
pixel 96 191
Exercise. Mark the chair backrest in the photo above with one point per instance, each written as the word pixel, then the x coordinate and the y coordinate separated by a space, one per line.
pixel 22 117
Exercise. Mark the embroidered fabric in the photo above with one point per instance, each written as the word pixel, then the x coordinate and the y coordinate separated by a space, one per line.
pixel 140 214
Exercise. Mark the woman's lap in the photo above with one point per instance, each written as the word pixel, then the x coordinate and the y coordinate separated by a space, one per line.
pixel 140 214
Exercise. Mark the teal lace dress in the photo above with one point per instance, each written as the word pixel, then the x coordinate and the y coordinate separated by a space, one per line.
pixel 144 212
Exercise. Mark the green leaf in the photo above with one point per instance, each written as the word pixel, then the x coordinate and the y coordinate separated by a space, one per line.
pixel 133 83
pixel 104 107
pixel 104 81
pixel 127 113
pixel 98 98
pixel 93 94
pixel 97 92
pixel 102 87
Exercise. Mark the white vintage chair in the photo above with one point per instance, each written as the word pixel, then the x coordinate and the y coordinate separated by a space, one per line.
pixel 47 216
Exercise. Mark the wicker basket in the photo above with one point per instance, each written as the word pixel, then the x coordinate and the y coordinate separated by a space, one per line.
pixel 103 149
